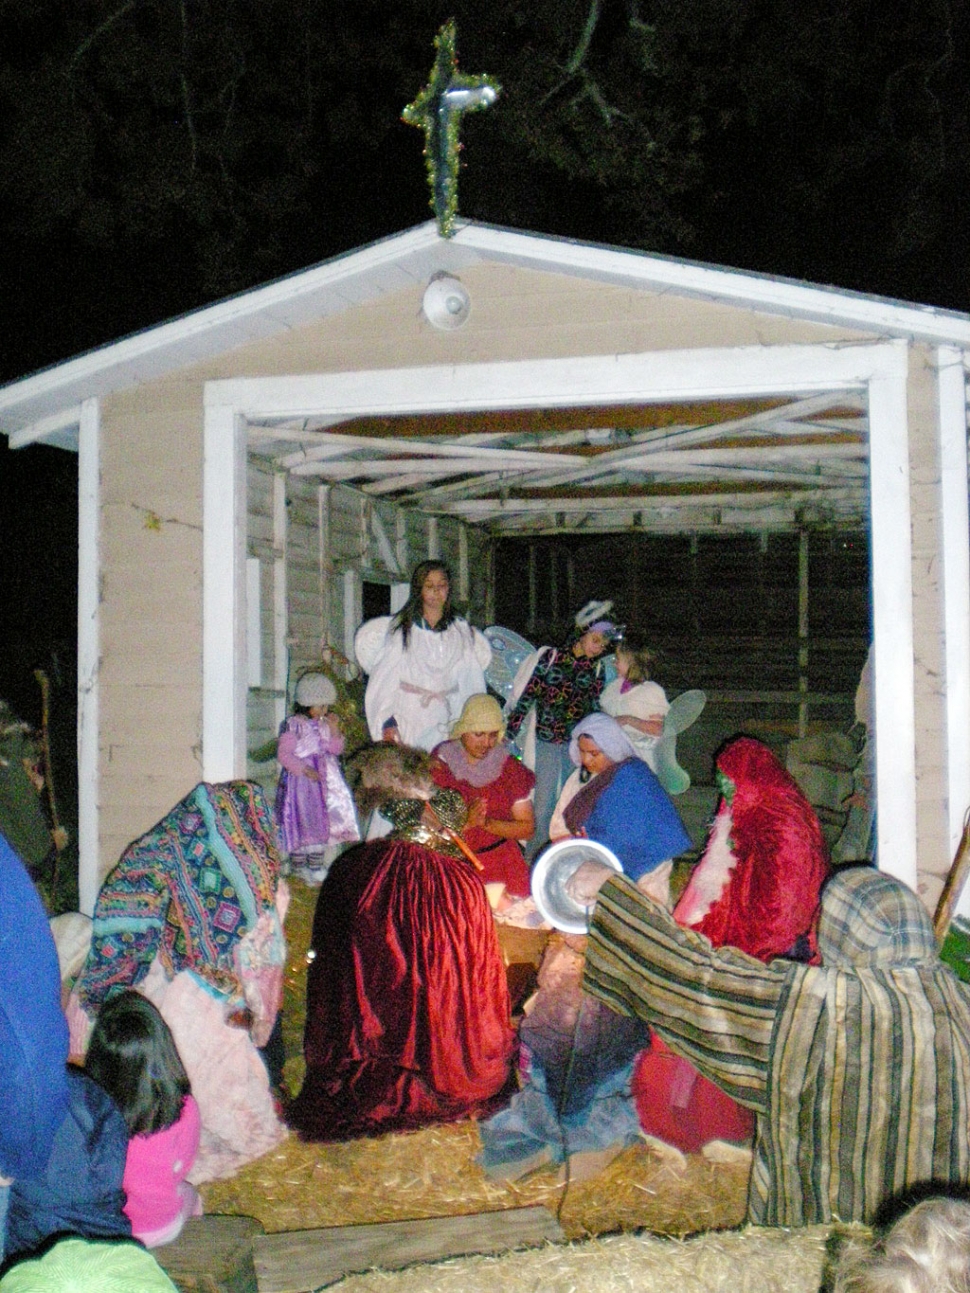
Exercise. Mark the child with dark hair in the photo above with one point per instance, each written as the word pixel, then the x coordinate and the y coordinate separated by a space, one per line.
pixel 133 1057
pixel 192 916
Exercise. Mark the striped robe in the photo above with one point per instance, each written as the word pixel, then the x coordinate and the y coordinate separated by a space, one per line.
pixel 859 1077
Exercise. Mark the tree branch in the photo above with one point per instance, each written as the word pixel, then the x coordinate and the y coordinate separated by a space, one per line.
pixel 582 49
pixel 98 32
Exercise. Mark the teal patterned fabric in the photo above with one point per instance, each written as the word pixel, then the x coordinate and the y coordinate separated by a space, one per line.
pixel 186 891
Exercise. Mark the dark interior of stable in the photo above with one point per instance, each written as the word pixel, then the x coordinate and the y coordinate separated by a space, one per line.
pixel 773 627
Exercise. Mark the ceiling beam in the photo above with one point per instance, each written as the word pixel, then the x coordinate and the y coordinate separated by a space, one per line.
pixel 477 508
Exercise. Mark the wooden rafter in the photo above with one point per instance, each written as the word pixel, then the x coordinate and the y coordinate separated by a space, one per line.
pixel 608 467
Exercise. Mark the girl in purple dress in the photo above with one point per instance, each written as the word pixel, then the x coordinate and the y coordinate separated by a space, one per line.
pixel 314 807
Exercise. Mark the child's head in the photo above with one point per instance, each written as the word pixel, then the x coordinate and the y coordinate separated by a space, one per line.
pixel 315 693
pixel 926 1251
pixel 633 656
pixel 132 1056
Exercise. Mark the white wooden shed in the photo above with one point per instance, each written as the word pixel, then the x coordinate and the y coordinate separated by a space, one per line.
pixel 248 470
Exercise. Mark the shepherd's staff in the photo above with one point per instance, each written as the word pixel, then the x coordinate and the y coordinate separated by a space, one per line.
pixel 954 884
pixel 58 833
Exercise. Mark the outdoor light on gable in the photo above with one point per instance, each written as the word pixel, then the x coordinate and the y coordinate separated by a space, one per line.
pixel 446 303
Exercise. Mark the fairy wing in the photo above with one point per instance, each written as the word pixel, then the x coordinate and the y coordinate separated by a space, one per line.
pixel 509 649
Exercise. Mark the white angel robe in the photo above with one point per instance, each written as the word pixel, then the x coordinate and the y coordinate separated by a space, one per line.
pixel 425 686
pixel 642 700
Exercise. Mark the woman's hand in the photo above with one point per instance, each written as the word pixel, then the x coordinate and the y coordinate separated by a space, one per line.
pixel 311 774
pixel 586 881
pixel 477 813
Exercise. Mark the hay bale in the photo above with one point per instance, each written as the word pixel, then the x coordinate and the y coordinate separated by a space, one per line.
pixel 752 1260
pixel 432 1172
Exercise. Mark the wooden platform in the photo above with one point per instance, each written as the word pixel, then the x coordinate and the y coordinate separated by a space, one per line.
pixel 213 1254
pixel 299 1261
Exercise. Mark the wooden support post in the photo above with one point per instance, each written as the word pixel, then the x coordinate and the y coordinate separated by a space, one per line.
pixel 325 564
pixel 463 564
pixel 531 623
pixel 281 648
pixel 490 584
pixel 803 630
pixel 554 582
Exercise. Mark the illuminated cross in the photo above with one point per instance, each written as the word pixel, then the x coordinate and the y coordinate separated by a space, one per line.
pixel 438 111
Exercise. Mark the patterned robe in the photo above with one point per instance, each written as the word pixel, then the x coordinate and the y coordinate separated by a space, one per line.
pixel 858 1070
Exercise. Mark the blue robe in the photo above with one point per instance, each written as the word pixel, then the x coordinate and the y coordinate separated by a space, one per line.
pixel 636 819
pixel 33 1030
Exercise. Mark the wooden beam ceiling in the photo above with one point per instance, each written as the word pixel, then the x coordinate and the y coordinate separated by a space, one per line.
pixel 764 464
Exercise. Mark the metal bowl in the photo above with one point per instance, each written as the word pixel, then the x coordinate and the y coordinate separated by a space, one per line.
pixel 553 869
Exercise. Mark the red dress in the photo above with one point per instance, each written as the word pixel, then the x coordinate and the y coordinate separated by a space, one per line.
pixel 408 1018
pixel 503 860
pixel 756 888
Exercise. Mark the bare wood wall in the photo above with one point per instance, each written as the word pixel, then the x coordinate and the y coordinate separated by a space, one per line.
pixel 314 547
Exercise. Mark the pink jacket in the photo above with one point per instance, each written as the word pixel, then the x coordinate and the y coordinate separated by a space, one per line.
pixel 155 1167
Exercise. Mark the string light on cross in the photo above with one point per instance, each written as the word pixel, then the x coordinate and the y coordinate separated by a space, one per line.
pixel 438 111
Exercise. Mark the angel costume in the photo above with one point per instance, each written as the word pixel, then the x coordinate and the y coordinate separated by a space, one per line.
pixel 647 699
pixel 423 685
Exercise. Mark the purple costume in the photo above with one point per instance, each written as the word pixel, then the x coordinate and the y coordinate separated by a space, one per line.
pixel 312 814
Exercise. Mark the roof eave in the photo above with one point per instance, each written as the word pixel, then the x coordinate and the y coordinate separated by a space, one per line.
pixel 39 406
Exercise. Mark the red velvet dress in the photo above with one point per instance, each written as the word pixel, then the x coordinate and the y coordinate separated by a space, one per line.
pixel 756 888
pixel 408 1018
pixel 503 860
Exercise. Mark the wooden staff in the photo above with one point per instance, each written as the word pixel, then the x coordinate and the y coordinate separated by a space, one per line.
pixel 59 835
pixel 953 887
pixel 455 838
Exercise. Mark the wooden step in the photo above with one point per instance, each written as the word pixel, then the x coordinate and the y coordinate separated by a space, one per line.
pixel 298 1261
pixel 213 1254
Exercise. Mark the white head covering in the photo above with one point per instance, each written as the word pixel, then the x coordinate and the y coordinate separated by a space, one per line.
pixel 606 733
pixel 315 689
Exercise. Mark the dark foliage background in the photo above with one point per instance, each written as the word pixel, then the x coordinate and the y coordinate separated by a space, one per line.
pixel 158 154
